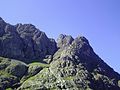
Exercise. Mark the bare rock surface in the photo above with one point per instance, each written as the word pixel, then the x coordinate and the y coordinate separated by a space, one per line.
pixel 24 42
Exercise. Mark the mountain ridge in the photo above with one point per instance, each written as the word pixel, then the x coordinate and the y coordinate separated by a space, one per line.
pixel 29 41
pixel 29 60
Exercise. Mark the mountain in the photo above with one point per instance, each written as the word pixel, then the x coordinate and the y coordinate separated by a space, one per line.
pixel 29 60
pixel 24 42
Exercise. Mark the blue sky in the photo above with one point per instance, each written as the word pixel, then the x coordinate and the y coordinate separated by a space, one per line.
pixel 97 20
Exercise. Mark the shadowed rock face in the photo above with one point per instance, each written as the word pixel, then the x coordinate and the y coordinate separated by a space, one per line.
pixel 24 42
pixel 71 63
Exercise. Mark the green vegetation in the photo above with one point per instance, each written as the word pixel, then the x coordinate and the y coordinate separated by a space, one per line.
pixel 34 68
pixel 69 78
pixel 43 65
pixel 2 72
pixel 53 88
pixel 9 89
pixel 40 79
pixel 119 83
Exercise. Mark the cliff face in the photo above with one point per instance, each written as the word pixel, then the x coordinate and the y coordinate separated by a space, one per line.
pixel 24 42
pixel 69 64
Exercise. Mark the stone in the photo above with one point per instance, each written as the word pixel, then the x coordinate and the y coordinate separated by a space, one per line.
pixel 64 40
pixel 24 42
pixel 11 71
pixel 41 63
pixel 17 68
pixel 75 66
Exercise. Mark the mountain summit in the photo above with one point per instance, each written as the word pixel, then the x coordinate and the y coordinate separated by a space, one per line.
pixel 29 60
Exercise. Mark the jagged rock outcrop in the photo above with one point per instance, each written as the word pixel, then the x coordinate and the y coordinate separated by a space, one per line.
pixel 75 67
pixel 64 40
pixel 24 42
pixel 69 64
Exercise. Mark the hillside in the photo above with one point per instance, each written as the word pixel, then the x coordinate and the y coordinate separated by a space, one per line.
pixel 29 60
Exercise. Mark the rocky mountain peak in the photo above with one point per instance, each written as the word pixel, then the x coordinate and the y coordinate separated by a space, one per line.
pixel 24 42
pixel 64 40
pixel 81 39
pixel 29 60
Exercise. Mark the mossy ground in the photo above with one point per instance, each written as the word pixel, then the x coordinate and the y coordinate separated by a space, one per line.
pixel 43 65
pixel 2 72
pixel 54 76
pixel 9 89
